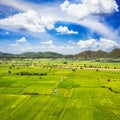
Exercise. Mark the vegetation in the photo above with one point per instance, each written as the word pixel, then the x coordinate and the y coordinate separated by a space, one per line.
pixel 49 89
pixel 115 54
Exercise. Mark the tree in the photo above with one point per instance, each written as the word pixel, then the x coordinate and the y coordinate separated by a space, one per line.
pixel 9 72
pixel 65 62
pixel 10 67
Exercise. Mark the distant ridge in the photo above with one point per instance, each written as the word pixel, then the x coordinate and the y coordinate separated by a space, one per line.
pixel 115 53
pixel 88 54
pixel 99 54
pixel 92 54
pixel 4 55
pixel 32 55
pixel 41 54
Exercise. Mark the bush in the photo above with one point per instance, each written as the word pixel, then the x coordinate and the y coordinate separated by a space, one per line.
pixel 31 93
pixel 97 70
pixel 9 72
pixel 108 80
pixel 65 62
pixel 85 65
pixel 29 74
pixel 10 67
pixel 17 73
pixel 73 70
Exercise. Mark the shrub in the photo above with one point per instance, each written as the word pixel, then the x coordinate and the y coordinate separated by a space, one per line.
pixel 65 62
pixel 17 73
pixel 9 72
pixel 73 70
pixel 10 67
pixel 108 80
pixel 31 93
pixel 85 65
pixel 97 70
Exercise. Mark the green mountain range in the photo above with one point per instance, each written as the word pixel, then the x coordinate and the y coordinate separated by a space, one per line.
pixel 85 54
pixel 32 55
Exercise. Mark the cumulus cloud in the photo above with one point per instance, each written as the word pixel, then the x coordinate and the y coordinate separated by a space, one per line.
pixel 84 13
pixel 50 42
pixel 68 48
pixel 43 16
pixel 47 46
pixel 65 30
pixel 14 44
pixel 89 7
pixel 30 21
pixel 93 44
pixel 20 41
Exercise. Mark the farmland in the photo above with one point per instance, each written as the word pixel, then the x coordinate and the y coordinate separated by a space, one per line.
pixel 59 89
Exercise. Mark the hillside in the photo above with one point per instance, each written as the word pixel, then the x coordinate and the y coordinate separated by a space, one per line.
pixel 85 54
pixel 115 53
pixel 92 54
pixel 41 54
pixel 99 54
pixel 4 55
pixel 32 55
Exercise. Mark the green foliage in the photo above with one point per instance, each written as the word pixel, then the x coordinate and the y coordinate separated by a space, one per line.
pixel 59 92
pixel 84 55
pixel 9 72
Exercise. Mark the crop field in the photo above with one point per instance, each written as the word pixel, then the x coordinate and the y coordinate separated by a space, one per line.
pixel 59 89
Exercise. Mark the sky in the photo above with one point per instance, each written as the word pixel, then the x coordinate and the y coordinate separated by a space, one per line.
pixel 62 26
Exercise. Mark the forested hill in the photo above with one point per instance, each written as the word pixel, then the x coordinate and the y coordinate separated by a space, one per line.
pixel 33 55
pixel 85 54
pixel 99 54
pixel 41 54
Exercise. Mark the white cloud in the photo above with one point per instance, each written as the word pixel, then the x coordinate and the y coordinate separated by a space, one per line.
pixel 22 40
pixel 19 4
pixel 101 28
pixel 89 7
pixel 50 42
pixel 19 42
pixel 65 30
pixel 44 16
pixel 43 47
pixel 68 48
pixel 14 44
pixel 7 33
pixel 47 45
pixel 30 21
pixel 88 44
pixel 93 44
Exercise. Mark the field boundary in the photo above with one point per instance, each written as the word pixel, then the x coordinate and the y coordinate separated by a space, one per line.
pixel 63 112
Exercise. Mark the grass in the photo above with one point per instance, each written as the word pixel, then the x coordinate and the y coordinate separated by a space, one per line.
pixel 62 94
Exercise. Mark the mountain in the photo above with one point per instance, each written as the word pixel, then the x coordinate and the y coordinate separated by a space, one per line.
pixel 99 54
pixel 41 55
pixel 6 55
pixel 32 55
pixel 92 54
pixel 85 54
pixel 115 53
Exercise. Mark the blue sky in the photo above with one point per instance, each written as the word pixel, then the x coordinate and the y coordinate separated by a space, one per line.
pixel 64 26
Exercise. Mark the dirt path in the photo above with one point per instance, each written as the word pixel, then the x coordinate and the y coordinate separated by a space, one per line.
pixel 108 69
pixel 75 67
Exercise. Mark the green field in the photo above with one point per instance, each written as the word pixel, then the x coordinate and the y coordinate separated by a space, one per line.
pixel 43 89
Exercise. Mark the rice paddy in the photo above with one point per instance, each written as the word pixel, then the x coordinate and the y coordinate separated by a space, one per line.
pixel 44 89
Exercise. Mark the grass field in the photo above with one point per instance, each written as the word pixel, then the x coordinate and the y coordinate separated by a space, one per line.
pixel 43 90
